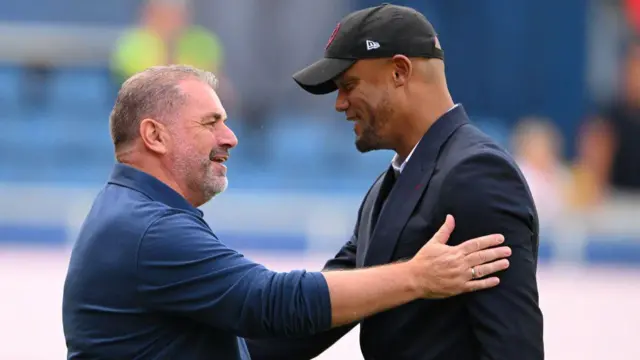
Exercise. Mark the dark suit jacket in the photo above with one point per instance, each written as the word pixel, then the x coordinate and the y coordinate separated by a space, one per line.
pixel 458 170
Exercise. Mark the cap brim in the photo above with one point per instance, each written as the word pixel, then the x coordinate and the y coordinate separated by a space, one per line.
pixel 317 78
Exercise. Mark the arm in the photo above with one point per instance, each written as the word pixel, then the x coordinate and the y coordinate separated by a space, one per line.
pixel 486 195
pixel 183 269
pixel 312 346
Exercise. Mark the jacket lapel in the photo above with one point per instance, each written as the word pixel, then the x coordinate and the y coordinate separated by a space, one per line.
pixel 367 219
pixel 409 187
pixel 383 190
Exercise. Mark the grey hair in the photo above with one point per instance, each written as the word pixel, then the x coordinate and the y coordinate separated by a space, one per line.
pixel 152 93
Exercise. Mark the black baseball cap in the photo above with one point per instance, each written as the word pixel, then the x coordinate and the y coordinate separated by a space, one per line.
pixel 376 32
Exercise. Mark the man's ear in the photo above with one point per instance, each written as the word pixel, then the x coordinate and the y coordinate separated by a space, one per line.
pixel 154 136
pixel 402 69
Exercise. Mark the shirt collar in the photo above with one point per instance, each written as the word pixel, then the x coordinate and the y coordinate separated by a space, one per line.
pixel 130 177
pixel 397 164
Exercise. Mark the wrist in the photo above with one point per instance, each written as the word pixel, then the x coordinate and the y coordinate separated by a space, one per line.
pixel 412 278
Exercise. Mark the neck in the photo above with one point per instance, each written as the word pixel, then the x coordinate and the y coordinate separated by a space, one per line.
pixel 419 118
pixel 155 168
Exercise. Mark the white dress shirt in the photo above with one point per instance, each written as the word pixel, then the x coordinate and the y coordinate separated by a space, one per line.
pixel 397 164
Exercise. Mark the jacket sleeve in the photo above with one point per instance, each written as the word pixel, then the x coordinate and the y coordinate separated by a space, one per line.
pixel 487 194
pixel 183 269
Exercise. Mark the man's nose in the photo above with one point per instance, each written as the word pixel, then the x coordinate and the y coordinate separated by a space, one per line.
pixel 342 104
pixel 228 138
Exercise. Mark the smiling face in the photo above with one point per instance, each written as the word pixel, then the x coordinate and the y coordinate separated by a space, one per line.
pixel 367 94
pixel 168 122
pixel 200 142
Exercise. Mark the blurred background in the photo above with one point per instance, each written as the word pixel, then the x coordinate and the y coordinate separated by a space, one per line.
pixel 556 82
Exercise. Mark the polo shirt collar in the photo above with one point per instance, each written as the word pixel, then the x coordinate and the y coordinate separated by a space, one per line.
pixel 130 177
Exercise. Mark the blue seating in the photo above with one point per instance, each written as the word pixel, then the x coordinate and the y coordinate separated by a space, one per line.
pixel 68 140
pixel 10 79
pixel 298 143
pixel 46 147
pixel 80 89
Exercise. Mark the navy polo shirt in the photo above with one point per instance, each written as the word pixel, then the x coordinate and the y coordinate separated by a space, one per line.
pixel 148 279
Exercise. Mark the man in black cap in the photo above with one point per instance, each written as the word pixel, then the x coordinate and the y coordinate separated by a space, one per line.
pixel 387 66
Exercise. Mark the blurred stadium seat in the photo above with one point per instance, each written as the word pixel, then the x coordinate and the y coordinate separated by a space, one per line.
pixel 10 85
pixel 74 90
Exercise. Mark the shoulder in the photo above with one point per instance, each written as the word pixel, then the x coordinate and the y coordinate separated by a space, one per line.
pixel 175 222
pixel 175 227
pixel 471 148
pixel 118 222
pixel 129 214
pixel 483 168
pixel 485 160
pixel 121 212
pixel 484 182
pixel 178 237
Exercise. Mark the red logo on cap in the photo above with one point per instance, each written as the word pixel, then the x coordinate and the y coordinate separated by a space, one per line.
pixel 333 35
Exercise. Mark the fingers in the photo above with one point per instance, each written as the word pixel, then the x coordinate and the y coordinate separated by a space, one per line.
pixel 488 255
pixel 481 243
pixel 484 270
pixel 483 284
pixel 490 268
pixel 442 236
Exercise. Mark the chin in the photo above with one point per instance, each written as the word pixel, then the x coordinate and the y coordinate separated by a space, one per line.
pixel 214 186
pixel 219 184
pixel 364 147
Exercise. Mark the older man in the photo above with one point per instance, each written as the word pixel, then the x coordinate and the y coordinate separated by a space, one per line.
pixel 148 278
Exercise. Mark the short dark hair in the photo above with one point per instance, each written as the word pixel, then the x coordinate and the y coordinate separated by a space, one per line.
pixel 151 93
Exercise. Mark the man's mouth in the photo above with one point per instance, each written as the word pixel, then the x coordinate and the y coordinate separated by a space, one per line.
pixel 219 158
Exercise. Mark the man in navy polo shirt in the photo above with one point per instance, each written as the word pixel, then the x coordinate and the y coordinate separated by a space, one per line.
pixel 148 279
